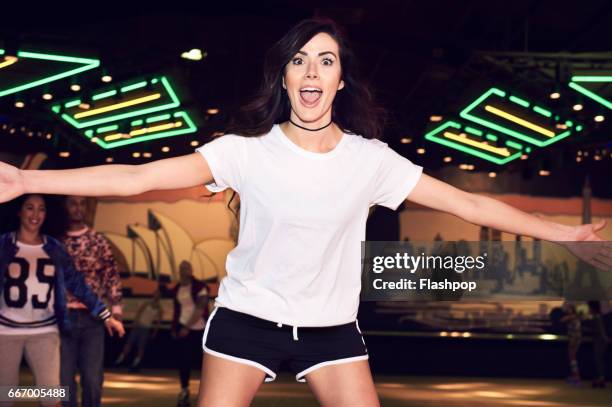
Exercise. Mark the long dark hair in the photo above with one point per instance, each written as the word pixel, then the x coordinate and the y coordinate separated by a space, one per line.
pixel 52 225
pixel 353 109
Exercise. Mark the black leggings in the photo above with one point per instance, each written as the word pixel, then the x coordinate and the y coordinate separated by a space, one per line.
pixel 189 349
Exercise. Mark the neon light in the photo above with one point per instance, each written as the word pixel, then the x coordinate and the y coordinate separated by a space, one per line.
pixel 473 131
pixel 497 150
pixel 592 78
pixel 519 121
pixel 175 102
pixel 112 137
pixel 569 123
pixel 137 123
pixel 134 86
pixel 86 64
pixel 542 111
pixel 72 104
pixel 56 109
pixel 579 128
pixel 183 126
pixel 491 137
pixel 8 61
pixel 468 113
pixel 158 118
pixel 104 95
pixel 512 144
pixel 591 95
pixel 107 128
pixel 160 127
pixel 116 106
pixel 460 145
pixel 519 101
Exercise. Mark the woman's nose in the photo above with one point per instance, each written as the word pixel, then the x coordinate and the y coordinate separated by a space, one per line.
pixel 312 73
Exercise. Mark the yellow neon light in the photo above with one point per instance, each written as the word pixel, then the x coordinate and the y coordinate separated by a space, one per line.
pixel 116 106
pixel 497 150
pixel 115 136
pixel 160 127
pixel 520 121
pixel 140 132
pixel 9 60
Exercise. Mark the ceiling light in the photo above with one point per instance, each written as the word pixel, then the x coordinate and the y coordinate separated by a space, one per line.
pixel 599 118
pixel 406 140
pixel 544 173
pixel 420 151
pixel 109 159
pixel 75 87
pixel 195 54
pixel 107 78
pixel 165 149
pixel 577 107
pixel 435 118
pixel 64 154
pixel 555 95
pixel 136 154
pixel 47 96
pixel 492 174
pixel 448 159
pixel 194 143
pixel 19 104
pixel 212 110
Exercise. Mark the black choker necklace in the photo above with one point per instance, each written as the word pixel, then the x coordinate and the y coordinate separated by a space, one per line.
pixel 304 128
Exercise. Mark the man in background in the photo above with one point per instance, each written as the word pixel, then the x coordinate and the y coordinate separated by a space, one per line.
pixel 83 348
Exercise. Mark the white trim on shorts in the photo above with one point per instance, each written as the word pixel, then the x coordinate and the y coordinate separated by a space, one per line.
pixel 234 358
pixel 300 376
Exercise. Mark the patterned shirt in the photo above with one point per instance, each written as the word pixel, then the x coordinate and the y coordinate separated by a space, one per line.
pixel 92 256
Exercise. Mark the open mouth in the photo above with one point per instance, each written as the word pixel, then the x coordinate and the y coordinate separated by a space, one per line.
pixel 310 95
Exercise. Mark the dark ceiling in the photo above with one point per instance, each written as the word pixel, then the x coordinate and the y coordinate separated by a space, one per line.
pixel 422 57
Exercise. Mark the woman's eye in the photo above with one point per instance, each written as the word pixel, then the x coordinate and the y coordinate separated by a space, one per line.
pixel 297 61
pixel 328 61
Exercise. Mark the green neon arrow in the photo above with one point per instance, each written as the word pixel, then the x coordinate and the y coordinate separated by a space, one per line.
pixel 84 64
pixel 510 128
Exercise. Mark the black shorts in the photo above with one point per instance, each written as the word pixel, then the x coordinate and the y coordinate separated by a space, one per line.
pixel 265 344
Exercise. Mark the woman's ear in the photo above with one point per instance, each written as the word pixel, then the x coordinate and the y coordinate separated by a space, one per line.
pixel 341 85
pixel 284 86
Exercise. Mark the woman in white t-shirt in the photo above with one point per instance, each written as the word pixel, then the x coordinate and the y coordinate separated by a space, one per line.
pixel 293 281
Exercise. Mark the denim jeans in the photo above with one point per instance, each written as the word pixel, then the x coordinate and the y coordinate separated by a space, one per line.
pixel 82 349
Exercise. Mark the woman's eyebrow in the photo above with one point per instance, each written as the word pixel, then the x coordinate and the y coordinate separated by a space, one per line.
pixel 320 53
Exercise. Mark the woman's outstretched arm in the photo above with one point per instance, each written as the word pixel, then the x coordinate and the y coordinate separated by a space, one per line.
pixel 103 180
pixel 485 211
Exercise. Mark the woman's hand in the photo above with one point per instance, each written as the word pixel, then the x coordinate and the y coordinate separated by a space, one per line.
pixel 114 325
pixel 590 247
pixel 11 182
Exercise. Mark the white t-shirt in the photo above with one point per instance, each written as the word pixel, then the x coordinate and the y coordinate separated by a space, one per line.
pixel 188 306
pixel 302 220
pixel 27 298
